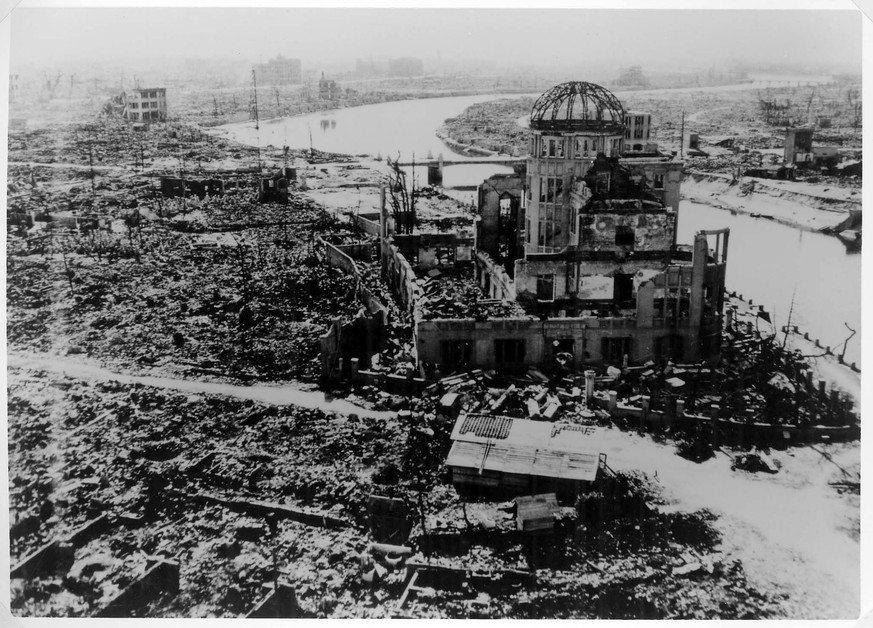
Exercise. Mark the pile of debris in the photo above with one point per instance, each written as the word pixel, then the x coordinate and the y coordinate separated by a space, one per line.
pixel 458 296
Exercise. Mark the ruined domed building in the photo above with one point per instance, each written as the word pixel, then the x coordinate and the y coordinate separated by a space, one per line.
pixel 582 244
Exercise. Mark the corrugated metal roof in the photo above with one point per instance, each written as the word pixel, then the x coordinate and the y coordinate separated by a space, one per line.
pixel 485 426
pixel 520 446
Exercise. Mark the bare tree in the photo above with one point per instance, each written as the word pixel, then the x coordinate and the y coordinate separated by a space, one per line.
pixel 402 199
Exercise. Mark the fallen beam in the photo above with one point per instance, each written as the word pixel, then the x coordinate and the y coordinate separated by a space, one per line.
pixel 160 579
pixel 262 508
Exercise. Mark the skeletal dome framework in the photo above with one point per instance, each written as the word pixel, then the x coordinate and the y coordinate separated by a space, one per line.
pixel 577 106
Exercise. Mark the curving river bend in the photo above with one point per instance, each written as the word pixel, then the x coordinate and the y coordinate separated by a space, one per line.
pixel 771 263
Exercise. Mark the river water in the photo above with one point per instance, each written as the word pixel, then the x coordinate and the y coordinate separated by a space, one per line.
pixel 771 263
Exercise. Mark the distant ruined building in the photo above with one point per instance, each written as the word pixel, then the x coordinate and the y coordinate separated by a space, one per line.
pixel 279 71
pixel 148 104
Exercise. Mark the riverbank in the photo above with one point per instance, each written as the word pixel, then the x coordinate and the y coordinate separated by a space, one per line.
pixel 787 204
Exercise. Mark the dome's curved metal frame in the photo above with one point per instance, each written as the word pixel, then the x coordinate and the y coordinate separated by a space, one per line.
pixel 554 109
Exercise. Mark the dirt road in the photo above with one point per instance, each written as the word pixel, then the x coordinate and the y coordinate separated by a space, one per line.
pixel 275 395
pixel 790 529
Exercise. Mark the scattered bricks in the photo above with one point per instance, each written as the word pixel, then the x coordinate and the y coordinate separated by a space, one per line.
pixel 159 579
pixel 450 405
pixel 502 399
pixel 131 520
pixel 533 410
pixel 55 556
pixel 551 411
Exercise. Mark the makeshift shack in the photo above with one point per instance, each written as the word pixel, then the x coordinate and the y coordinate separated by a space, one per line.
pixel 505 456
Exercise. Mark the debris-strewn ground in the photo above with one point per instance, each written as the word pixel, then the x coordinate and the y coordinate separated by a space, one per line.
pixel 80 448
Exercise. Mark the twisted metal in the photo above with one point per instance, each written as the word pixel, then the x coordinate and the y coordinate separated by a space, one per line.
pixel 577 106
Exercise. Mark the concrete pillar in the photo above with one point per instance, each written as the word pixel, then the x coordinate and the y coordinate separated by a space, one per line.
pixel 354 364
pixel 645 403
pixel 729 317
pixel 624 361
pixel 749 327
pixel 613 401
pixel 715 410
pixel 680 408
pixel 821 387
pixel 340 363
pixel 589 386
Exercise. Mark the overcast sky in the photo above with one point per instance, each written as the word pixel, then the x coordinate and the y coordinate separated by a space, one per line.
pixel 656 39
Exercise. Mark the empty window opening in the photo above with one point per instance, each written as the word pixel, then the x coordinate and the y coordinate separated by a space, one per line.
pixel 624 236
pixel 509 350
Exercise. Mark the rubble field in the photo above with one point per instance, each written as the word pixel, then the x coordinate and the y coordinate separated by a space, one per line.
pixel 223 497
pixel 189 476
pixel 716 115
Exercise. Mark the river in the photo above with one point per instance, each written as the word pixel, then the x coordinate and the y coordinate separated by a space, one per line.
pixel 773 264
pixel 770 263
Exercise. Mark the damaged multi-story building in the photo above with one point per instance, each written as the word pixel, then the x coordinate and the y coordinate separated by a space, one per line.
pixel 583 244
pixel 146 104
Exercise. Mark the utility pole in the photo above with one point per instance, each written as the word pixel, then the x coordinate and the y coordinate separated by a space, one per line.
pixel 182 176
pixel 682 138
pixel 257 122
pixel 91 163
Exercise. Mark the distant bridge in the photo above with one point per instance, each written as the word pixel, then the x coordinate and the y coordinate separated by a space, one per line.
pixel 503 161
